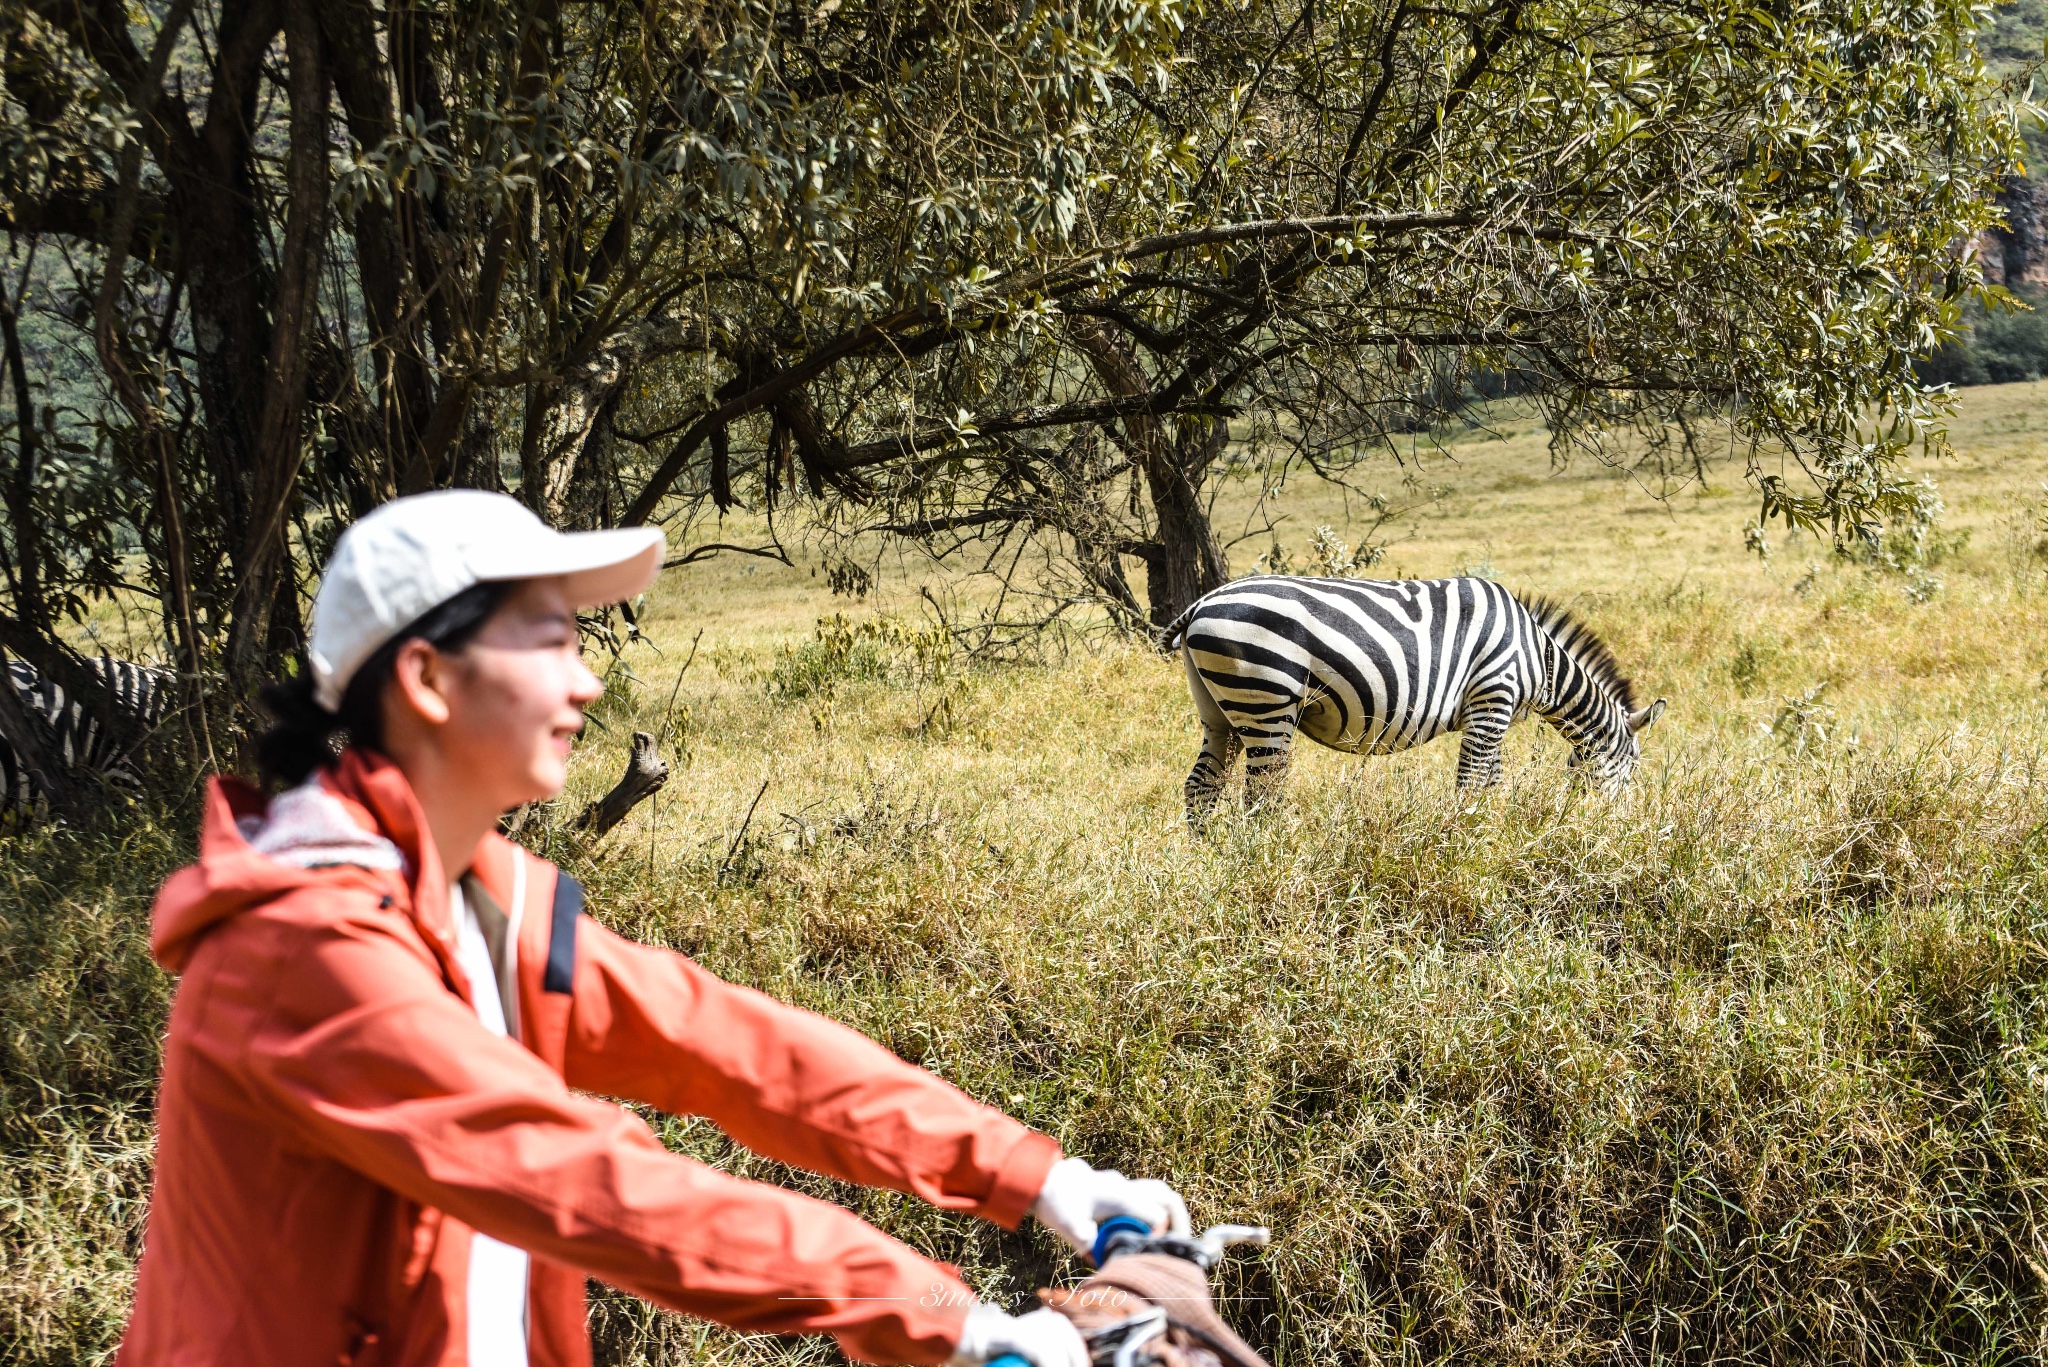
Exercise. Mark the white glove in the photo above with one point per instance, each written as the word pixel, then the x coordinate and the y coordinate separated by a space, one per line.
pixel 1044 1338
pixel 1075 1197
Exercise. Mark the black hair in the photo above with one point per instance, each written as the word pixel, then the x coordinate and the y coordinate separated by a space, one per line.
pixel 302 735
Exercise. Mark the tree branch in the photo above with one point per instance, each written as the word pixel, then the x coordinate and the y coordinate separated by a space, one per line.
pixel 645 774
pixel 705 552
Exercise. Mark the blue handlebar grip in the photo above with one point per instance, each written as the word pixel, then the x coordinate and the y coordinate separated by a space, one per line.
pixel 1010 1360
pixel 1114 1225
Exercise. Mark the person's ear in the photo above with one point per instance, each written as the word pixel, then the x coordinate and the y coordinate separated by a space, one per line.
pixel 419 673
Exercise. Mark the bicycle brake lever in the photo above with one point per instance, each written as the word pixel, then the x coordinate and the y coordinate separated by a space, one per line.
pixel 1117 1345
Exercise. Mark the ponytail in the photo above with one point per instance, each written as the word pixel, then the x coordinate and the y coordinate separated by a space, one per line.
pixel 304 736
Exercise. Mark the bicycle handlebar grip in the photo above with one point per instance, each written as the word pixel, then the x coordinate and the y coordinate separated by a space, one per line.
pixel 1113 1227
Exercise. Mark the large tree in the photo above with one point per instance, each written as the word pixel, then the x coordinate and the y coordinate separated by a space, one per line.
pixel 1662 222
pixel 321 254
pixel 987 265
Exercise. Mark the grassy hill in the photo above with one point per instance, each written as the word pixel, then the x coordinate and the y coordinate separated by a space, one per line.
pixel 2013 34
pixel 1750 1063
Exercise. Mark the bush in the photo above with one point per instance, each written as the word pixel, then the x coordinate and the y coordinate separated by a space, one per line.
pixel 1997 348
pixel 841 651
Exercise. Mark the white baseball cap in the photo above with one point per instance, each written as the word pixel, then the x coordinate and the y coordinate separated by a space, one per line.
pixel 411 555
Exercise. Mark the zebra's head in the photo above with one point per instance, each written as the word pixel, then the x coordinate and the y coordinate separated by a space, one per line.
pixel 1589 700
pixel 1607 756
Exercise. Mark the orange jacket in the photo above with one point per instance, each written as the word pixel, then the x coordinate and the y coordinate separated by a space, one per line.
pixel 335 1121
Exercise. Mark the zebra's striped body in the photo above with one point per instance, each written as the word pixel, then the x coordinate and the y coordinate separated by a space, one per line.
pixel 81 744
pixel 1374 666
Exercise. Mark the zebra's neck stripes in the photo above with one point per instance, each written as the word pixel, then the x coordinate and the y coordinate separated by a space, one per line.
pixel 1584 694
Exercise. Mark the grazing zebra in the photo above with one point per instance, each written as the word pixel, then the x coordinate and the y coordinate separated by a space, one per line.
pixel 1374 666
pixel 82 744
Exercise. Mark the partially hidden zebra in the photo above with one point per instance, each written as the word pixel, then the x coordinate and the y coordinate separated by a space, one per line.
pixel 80 742
pixel 1374 666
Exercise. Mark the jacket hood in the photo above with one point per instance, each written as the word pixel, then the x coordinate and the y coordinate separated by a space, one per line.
pixel 354 825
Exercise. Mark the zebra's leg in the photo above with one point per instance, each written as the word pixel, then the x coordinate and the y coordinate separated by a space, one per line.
pixel 1212 766
pixel 1219 744
pixel 1268 746
pixel 1479 752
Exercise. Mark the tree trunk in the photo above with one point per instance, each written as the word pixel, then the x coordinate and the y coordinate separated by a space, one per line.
pixel 19 491
pixel 476 458
pixel 567 425
pixel 392 303
pixel 257 641
pixel 214 206
pixel 1189 561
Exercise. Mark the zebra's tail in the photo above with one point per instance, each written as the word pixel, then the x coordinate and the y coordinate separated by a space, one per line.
pixel 1170 638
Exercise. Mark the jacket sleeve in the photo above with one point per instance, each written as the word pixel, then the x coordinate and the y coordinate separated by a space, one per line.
pixel 653 1026
pixel 376 1064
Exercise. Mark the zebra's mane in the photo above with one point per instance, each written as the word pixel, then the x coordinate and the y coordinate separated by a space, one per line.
pixel 1581 643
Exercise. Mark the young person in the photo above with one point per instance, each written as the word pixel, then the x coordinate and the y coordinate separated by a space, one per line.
pixel 374 1139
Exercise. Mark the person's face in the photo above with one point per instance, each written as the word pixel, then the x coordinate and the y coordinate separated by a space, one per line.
pixel 506 708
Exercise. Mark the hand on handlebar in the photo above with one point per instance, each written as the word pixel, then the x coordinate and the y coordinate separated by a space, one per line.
pixel 1043 1338
pixel 1076 1197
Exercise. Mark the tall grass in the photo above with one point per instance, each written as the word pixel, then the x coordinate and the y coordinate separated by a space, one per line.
pixel 81 1012
pixel 1751 1065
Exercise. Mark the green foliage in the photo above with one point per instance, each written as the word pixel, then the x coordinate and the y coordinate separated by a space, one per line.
pixel 2013 35
pixel 688 256
pixel 1913 544
pixel 625 204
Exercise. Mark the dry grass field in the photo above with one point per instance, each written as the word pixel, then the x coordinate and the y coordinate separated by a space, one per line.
pixel 1750 1063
